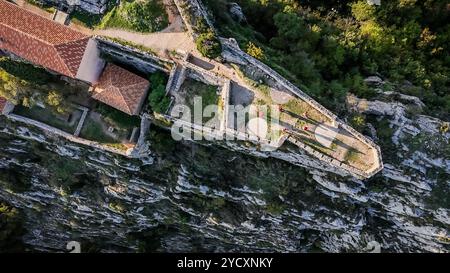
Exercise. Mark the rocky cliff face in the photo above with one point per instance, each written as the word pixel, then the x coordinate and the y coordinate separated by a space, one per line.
pixel 200 197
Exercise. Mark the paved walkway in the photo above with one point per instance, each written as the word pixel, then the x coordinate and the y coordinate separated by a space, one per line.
pixel 326 134
pixel 158 41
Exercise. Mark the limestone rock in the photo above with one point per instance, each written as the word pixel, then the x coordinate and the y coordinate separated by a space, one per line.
pixel 374 80
pixel 236 13
pixel 375 107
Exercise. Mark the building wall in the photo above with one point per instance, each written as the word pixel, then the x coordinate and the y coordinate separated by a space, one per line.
pixel 91 65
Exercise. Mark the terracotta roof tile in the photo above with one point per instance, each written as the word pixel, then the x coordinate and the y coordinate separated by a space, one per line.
pixel 40 40
pixel 121 89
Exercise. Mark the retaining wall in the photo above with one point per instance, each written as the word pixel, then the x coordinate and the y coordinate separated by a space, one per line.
pixel 70 137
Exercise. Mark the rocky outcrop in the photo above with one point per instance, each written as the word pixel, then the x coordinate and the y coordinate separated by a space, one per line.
pixel 236 12
pixel 375 107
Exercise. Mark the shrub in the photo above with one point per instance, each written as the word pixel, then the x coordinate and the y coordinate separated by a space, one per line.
pixel 209 45
pixel 56 101
pixel 445 126
pixel 255 51
pixel 25 71
pixel 158 100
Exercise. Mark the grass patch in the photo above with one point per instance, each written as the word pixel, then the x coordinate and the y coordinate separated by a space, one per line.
pixel 140 16
pixel 48 117
pixel 194 89
pixel 117 118
pixel 351 156
pixel 94 131
pixel 86 19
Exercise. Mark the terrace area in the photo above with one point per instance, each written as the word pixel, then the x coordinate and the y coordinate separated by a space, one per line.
pixel 203 100
pixel 302 122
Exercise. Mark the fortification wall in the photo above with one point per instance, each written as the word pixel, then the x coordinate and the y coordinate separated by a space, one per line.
pixel 90 6
pixel 140 60
pixel 70 137
pixel 233 49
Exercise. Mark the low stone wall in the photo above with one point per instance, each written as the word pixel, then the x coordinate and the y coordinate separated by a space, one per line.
pixel 173 76
pixel 91 6
pixel 199 10
pixel 70 137
pixel 202 75
pixel 179 80
pixel 225 96
pixel 82 119
pixel 351 170
pixel 181 6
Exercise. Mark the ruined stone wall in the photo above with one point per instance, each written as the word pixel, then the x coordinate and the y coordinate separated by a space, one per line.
pixel 198 74
pixel 233 49
pixel 70 137
pixel 91 6
pixel 189 9
pixel 140 60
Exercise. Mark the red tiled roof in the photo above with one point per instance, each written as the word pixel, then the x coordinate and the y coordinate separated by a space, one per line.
pixel 40 40
pixel 2 104
pixel 121 89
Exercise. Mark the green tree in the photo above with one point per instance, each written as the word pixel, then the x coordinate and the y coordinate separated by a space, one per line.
pixel 157 98
pixel 12 88
pixel 57 102
pixel 362 11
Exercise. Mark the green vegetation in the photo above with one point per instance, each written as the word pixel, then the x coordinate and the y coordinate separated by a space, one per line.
pixel 328 52
pixel 94 131
pixel 24 84
pixel 135 15
pixel 444 127
pixel 25 71
pixel 351 156
pixel 255 51
pixel 209 45
pixel 14 180
pixel 358 122
pixel 435 145
pixel 117 118
pixel 57 101
pixel 45 7
pixel 439 196
pixel 85 18
pixel 11 229
pixel 208 93
pixel 194 89
pixel 207 42
pixel 158 101
pixel 49 117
